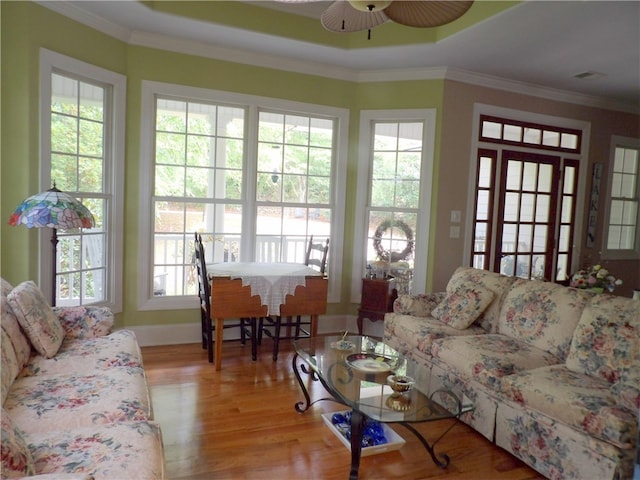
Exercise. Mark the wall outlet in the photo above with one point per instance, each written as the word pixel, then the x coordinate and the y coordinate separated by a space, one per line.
pixel 454 231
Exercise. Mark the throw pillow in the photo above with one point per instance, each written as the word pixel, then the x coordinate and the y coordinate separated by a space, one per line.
pixel 36 318
pixel 16 457
pixel 463 306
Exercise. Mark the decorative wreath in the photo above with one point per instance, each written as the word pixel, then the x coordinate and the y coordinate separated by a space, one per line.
pixel 393 256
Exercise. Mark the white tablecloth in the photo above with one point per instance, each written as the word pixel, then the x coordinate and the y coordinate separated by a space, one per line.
pixel 272 281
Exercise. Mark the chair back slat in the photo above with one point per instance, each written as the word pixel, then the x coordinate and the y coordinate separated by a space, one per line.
pixel 316 255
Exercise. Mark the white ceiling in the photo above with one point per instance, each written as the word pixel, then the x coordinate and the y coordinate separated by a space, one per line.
pixel 542 44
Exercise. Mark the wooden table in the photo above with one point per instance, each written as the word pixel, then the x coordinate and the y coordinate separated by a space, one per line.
pixel 232 295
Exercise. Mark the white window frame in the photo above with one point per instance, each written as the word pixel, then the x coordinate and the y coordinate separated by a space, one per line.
pixel 616 254
pixel 151 89
pixel 51 62
pixel 365 160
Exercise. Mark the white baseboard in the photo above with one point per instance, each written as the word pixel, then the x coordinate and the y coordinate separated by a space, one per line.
pixel 190 332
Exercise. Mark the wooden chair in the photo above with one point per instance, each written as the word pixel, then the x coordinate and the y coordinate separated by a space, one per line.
pixel 204 294
pixel 316 257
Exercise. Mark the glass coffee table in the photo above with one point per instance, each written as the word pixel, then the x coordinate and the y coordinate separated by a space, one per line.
pixel 355 370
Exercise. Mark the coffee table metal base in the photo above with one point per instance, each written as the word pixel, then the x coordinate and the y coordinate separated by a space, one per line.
pixel 358 421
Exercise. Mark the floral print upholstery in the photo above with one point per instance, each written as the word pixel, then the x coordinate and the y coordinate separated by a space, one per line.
pixel 119 349
pixel 36 318
pixel 10 369
pixel 85 322
pixel 498 284
pixel 606 342
pixel 10 324
pixel 16 457
pixel 553 383
pixel 43 403
pixel 409 334
pixel 419 305
pixel 558 451
pixel 489 358
pixel 543 314
pixel 123 450
pixel 463 306
pixel 583 402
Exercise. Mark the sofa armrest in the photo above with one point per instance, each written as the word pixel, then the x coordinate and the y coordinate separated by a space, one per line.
pixel 418 305
pixel 85 322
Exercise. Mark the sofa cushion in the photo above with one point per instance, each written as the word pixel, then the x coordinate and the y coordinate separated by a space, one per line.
pixel 543 314
pixel 606 342
pixel 85 321
pixel 9 367
pixel 10 324
pixel 463 306
pixel 418 333
pixel 123 450
pixel 119 349
pixel 583 402
pixel 488 358
pixel 16 458
pixel 43 403
pixel 36 318
pixel 497 283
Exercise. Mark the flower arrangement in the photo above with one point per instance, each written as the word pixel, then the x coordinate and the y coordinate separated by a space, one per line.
pixel 595 277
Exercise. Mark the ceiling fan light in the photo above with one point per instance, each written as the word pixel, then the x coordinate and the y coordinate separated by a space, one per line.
pixel 369 5
pixel 343 18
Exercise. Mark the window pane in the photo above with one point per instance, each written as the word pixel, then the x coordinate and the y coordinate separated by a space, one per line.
pixel 550 138
pixel 482 210
pixel 511 207
pixel 491 130
pixel 526 209
pixel 530 177
pixel 569 180
pixel 532 135
pixel 513 175
pixel 484 174
pixel 77 165
pixel 545 173
pixel 509 238
pixel 542 208
pixel 512 133
pixel 568 140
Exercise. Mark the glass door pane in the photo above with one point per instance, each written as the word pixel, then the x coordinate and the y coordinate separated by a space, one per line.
pixel 527 215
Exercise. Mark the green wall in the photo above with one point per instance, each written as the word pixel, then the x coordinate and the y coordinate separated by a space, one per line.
pixel 26 27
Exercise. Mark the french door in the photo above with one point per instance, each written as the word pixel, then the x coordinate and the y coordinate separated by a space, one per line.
pixel 525 210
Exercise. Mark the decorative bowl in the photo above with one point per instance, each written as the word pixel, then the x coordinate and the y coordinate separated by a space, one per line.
pixel 400 383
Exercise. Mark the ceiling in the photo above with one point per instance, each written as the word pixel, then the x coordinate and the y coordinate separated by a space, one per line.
pixel 535 46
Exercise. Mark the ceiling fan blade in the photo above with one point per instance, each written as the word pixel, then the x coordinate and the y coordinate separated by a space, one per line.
pixel 342 17
pixel 426 13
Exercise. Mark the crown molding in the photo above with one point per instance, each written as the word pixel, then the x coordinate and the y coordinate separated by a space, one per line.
pixel 89 19
pixel 276 62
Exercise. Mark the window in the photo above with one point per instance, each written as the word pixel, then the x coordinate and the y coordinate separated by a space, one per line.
pixel 256 177
pixel 394 178
pixel 621 238
pixel 82 152
pixel 526 190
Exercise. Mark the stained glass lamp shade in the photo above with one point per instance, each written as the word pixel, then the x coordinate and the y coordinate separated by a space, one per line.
pixel 53 209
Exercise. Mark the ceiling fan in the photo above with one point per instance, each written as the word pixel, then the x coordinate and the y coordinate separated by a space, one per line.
pixel 356 15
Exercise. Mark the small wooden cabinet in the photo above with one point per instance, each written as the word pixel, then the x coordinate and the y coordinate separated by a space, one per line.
pixel 377 299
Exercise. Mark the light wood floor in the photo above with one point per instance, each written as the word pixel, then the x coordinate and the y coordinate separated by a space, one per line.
pixel 240 423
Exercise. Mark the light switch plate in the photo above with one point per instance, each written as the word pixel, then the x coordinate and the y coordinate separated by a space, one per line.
pixel 456 216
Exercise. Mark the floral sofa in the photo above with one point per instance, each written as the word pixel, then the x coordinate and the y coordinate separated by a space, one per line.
pixel 75 401
pixel 553 371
